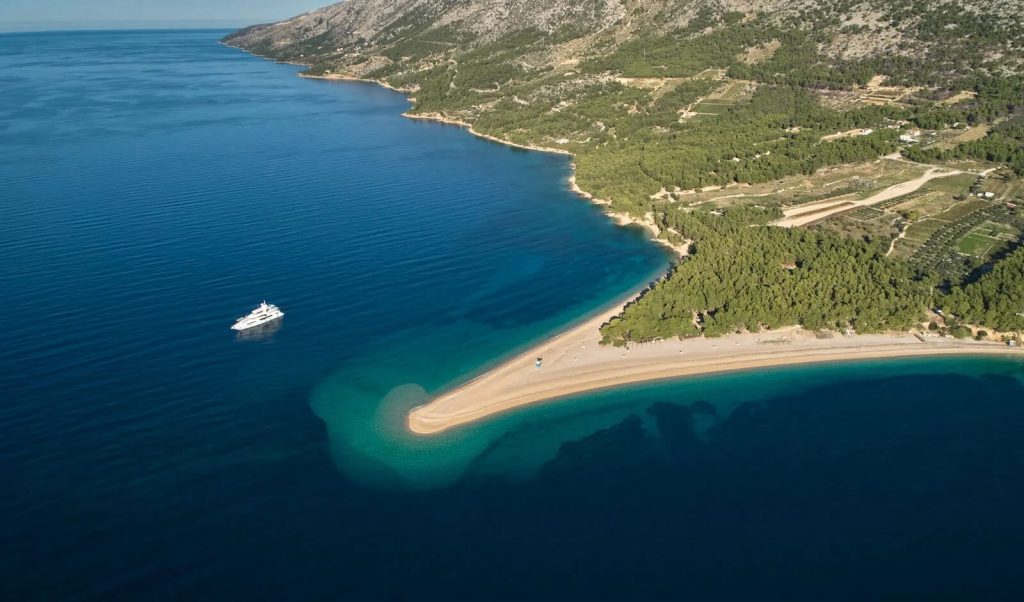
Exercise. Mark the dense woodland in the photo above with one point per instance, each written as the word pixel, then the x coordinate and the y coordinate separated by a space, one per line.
pixel 996 299
pixel 776 134
pixel 745 276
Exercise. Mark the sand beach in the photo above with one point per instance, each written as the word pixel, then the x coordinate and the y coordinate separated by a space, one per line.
pixel 575 362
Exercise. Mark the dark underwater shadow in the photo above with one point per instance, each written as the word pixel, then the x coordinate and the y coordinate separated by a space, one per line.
pixel 893 488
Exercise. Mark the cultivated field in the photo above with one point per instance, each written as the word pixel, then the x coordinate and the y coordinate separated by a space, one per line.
pixel 859 180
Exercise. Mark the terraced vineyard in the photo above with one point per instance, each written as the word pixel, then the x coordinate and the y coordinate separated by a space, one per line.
pixel 889 204
pixel 866 213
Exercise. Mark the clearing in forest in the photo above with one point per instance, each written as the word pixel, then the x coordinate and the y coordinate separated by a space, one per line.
pixel 812 212
pixel 860 180
pixel 723 98
pixel 970 134
pixel 980 241
pixel 874 93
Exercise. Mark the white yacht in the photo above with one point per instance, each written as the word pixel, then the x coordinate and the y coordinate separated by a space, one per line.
pixel 258 317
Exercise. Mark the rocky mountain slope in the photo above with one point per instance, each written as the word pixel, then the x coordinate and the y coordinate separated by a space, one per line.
pixel 343 33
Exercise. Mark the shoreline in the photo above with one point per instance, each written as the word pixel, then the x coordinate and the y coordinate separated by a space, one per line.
pixel 619 218
pixel 349 78
pixel 440 118
pixel 575 363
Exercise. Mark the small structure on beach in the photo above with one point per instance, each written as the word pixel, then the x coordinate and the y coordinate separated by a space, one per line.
pixel 538 362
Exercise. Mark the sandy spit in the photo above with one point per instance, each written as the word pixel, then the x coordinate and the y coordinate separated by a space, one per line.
pixel 574 362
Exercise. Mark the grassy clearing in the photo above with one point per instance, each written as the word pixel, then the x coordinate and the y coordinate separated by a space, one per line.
pixel 969 234
pixel 996 230
pixel 953 185
pixel 959 97
pixel 735 91
pixel 711 108
pixel 976 245
pixel 988 237
pixel 723 98
pixel 864 223
pixel 952 138
pixel 759 54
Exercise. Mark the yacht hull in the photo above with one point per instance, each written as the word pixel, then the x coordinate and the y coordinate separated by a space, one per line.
pixel 264 314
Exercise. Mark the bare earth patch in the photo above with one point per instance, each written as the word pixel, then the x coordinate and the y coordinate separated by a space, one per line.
pixel 759 54
pixel 812 212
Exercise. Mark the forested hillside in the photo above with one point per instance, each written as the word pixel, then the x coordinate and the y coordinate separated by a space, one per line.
pixel 752 278
pixel 995 299
pixel 664 101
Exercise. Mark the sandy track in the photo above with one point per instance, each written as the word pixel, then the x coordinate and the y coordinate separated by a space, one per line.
pixel 812 212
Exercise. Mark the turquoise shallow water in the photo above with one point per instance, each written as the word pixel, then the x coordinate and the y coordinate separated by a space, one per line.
pixel 370 442
pixel 154 185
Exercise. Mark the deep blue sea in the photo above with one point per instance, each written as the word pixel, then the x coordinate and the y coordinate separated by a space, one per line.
pixel 155 185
